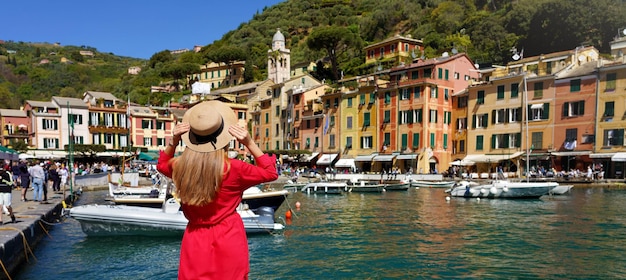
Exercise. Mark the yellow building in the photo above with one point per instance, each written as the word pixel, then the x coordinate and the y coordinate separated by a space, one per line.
pixel 390 52
pixel 220 74
pixel 611 120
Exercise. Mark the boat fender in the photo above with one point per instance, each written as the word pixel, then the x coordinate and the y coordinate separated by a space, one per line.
pixel 505 189
pixel 484 191
pixel 266 211
pixel 493 190
pixel 154 193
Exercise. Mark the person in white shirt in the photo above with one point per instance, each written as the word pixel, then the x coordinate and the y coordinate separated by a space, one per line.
pixel 63 173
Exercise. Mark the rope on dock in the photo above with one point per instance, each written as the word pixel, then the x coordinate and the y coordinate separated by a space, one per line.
pixel 27 248
pixel 5 270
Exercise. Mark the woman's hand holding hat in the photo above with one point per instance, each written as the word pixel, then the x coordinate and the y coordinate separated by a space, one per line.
pixel 179 130
pixel 240 133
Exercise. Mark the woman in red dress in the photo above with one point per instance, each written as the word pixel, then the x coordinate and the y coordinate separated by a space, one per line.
pixel 209 186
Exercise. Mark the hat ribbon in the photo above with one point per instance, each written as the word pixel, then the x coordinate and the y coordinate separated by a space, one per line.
pixel 211 138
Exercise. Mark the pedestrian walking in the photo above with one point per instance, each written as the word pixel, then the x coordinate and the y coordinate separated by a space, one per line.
pixel 6 186
pixel 38 176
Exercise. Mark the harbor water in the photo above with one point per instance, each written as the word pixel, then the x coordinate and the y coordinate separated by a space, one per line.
pixel 414 234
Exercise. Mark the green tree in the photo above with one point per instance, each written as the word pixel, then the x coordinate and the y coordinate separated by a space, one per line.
pixel 178 71
pixel 334 41
pixel 160 57
pixel 248 74
pixel 227 55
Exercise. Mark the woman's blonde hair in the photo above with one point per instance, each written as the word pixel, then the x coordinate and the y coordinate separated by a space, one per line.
pixel 198 176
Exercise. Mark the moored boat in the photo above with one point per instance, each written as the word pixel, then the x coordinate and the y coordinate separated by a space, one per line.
pixel 363 186
pixel 432 184
pixel 561 189
pixel 115 220
pixel 256 198
pixel 502 189
pixel 397 186
pixel 150 196
pixel 325 188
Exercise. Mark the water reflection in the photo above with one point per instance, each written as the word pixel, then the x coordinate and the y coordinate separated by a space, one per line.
pixel 393 235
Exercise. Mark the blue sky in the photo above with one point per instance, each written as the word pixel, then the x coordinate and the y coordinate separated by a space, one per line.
pixel 134 28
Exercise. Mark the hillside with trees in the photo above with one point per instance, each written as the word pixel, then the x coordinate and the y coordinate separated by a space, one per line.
pixel 330 32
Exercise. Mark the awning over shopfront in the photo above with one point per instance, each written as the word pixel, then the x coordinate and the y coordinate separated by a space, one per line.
pixel 407 157
pixel 571 153
pixel 148 156
pixel 307 158
pixel 326 159
pixel 345 163
pixel 364 158
pixel 384 158
pixel 602 155
pixel 47 154
pixel 114 154
pixel 621 157
pixel 482 158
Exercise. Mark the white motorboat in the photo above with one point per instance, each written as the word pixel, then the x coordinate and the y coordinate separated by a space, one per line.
pixel 255 198
pixel 151 196
pixel 325 187
pixel 114 220
pixel 502 189
pixel 155 195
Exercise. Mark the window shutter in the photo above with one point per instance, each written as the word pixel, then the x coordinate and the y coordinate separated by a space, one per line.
pixel 493 116
pixel 565 109
pixel 485 120
pixel 546 111
pixel 581 107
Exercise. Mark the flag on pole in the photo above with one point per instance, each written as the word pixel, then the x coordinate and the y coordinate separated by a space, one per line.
pixel 326 124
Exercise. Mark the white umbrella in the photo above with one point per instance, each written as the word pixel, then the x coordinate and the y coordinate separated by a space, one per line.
pixel 25 156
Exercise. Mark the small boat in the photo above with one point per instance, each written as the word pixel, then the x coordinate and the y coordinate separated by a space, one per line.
pixel 397 186
pixel 561 189
pixel 147 196
pixel 502 189
pixel 124 220
pixel 432 184
pixel 256 198
pixel 325 188
pixel 363 186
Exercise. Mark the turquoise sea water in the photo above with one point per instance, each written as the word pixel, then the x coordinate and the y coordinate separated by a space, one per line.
pixel 415 234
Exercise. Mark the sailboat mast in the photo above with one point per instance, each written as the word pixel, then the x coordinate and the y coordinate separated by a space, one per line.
pixel 70 149
pixel 527 136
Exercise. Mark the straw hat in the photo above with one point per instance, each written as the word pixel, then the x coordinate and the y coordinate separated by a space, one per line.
pixel 209 122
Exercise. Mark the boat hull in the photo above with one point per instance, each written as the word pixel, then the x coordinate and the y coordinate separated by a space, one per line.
pixel 398 186
pixel 432 184
pixel 503 189
pixel 325 188
pixel 123 220
pixel 273 199
pixel 377 188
